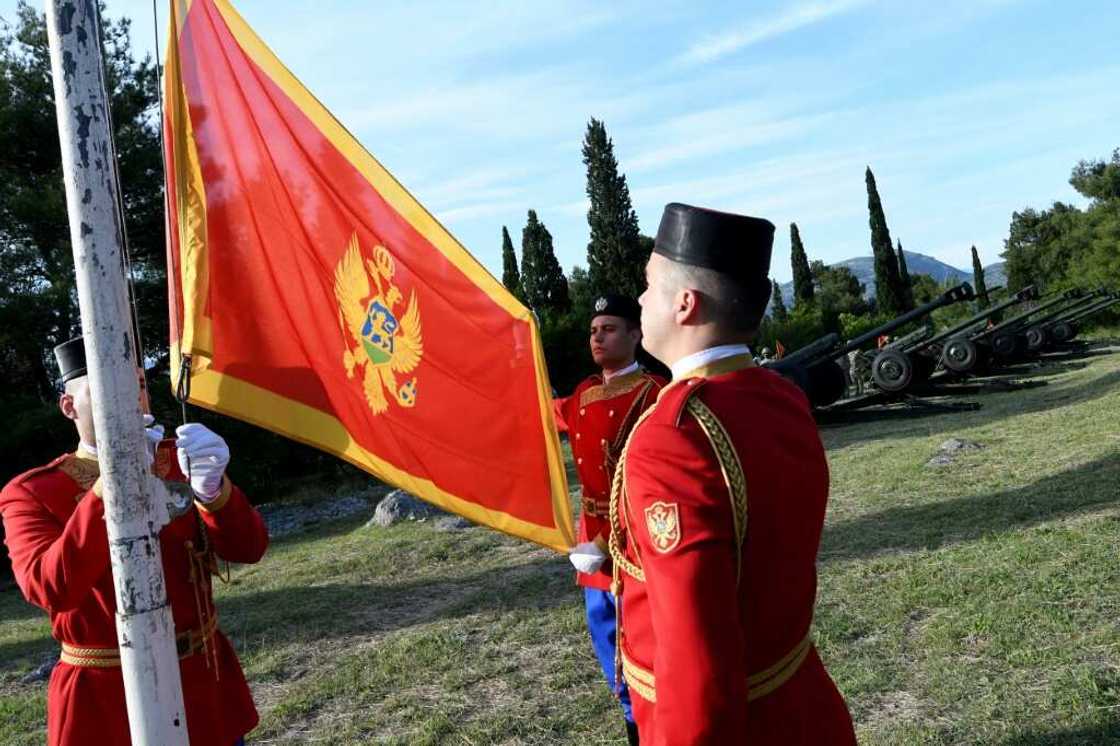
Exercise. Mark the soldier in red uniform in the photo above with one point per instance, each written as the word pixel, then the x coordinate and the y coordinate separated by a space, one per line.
pixel 717 518
pixel 56 535
pixel 598 417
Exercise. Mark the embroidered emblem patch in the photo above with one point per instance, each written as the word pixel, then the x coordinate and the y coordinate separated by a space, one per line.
pixel 663 521
pixel 601 304
pixel 385 342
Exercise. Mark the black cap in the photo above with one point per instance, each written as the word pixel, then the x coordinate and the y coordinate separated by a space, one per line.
pixel 613 304
pixel 71 357
pixel 735 245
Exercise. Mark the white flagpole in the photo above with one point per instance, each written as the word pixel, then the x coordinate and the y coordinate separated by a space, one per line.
pixel 145 630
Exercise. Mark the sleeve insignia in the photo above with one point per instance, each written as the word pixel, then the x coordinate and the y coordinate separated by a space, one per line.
pixel 664 525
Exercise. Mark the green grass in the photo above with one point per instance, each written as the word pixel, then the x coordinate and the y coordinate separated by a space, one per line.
pixel 975 603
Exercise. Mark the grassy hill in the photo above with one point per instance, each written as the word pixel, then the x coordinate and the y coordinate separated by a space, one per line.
pixel 972 603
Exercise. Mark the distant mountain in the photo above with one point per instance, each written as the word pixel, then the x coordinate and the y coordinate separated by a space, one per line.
pixel 863 267
pixel 995 275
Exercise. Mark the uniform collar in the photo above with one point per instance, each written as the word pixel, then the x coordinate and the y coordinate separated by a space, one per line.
pixel 86 451
pixel 631 368
pixel 690 363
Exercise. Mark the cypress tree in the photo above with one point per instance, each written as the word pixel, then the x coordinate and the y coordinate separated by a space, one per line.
pixel 616 254
pixel 511 277
pixel 904 278
pixel 888 287
pixel 777 304
pixel 542 280
pixel 980 285
pixel 802 275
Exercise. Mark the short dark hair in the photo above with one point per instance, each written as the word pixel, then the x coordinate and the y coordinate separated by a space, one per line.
pixel 732 305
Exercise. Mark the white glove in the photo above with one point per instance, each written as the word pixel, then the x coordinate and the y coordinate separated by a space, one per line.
pixel 587 557
pixel 154 434
pixel 203 457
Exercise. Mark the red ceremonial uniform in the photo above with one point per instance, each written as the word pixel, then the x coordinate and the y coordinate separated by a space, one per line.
pixel 598 416
pixel 716 528
pixel 56 535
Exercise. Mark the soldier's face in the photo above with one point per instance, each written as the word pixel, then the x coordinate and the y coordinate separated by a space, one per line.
pixel 658 315
pixel 76 404
pixel 613 341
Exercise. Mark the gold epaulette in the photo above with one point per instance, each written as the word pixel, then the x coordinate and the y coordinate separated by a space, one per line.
pixel 83 469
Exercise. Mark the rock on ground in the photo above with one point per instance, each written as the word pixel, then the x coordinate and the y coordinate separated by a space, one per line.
pixel 948 450
pixel 399 506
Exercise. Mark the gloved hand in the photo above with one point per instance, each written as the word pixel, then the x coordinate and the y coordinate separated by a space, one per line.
pixel 203 457
pixel 154 434
pixel 587 557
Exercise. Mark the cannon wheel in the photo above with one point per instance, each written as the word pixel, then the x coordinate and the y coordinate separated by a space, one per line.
pixel 1063 332
pixel 961 355
pixel 1005 344
pixel 892 370
pixel 1036 338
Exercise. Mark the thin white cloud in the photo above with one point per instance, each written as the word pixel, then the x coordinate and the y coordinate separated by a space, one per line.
pixel 791 19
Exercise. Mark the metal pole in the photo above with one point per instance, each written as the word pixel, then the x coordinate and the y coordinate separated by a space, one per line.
pixel 145 630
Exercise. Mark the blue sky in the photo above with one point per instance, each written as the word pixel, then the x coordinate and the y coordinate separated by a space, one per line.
pixel 965 111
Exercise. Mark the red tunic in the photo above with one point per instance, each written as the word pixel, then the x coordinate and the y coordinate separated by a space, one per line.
pixel 598 416
pixel 56 535
pixel 716 563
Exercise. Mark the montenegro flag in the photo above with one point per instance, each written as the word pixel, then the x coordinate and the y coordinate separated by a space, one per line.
pixel 312 295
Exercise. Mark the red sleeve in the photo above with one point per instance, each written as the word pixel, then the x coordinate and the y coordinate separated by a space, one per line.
pixel 55 564
pixel 699 659
pixel 234 526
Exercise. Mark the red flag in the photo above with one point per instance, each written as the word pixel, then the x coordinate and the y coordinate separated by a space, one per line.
pixel 316 298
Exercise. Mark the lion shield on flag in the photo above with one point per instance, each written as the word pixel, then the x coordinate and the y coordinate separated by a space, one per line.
pixel 385 344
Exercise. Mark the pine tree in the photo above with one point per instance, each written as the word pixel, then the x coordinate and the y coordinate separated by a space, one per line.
pixel 802 275
pixel 542 280
pixel 888 287
pixel 904 278
pixel 777 304
pixel 980 285
pixel 616 253
pixel 511 277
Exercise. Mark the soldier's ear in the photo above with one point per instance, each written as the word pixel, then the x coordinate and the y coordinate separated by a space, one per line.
pixel 66 406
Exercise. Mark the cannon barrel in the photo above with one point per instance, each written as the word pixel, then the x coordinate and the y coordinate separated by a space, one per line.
pixel 1075 309
pixel 816 350
pixel 1093 309
pixel 1065 329
pixel 953 295
pixel 1027 293
pixel 1014 321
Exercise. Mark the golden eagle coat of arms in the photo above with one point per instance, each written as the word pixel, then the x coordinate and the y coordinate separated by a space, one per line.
pixel 385 344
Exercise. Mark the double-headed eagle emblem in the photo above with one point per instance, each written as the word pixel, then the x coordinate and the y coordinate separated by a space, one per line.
pixel 385 344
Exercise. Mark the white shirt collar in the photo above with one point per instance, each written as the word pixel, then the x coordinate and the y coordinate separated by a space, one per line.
pixel 706 357
pixel 631 368
pixel 87 448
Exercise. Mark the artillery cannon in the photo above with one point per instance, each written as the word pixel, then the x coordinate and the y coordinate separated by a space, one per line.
pixel 1005 340
pixel 1066 329
pixel 1037 335
pixel 955 348
pixel 814 369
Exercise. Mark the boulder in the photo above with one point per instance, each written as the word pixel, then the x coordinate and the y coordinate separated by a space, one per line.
pixel 399 506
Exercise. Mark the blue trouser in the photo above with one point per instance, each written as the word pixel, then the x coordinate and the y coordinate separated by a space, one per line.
pixel 601 625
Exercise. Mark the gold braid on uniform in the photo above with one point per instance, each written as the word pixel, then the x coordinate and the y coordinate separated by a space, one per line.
pixel 204 566
pixel 732 470
pixel 618 499
pixel 611 451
